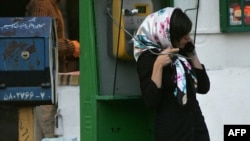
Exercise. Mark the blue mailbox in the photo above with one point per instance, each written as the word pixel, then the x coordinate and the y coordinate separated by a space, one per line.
pixel 28 63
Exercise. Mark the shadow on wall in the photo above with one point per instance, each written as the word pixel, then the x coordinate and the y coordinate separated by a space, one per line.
pixel 8 123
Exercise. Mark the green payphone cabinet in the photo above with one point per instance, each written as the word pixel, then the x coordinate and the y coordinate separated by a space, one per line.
pixel 112 108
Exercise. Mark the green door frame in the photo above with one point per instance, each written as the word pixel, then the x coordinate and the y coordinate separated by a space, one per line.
pixel 88 72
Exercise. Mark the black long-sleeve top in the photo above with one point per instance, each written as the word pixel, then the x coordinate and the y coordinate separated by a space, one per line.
pixel 173 122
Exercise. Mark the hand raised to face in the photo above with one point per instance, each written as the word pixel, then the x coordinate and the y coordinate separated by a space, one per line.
pixel 165 56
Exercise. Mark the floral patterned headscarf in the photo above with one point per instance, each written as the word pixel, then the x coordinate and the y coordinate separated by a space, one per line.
pixel 154 33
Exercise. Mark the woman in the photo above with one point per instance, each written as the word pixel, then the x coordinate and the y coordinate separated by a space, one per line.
pixel 170 75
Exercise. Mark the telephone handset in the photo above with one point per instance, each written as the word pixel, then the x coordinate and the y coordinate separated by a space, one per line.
pixel 189 48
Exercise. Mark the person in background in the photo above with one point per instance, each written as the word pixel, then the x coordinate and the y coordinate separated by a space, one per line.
pixel 170 75
pixel 68 52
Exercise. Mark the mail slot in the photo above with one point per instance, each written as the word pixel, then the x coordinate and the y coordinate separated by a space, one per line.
pixel 28 63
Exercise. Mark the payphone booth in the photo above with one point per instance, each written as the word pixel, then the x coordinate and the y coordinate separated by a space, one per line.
pixel 112 108
pixel 28 62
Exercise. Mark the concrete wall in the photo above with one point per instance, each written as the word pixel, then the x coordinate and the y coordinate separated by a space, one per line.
pixel 228 100
pixel 226 59
pixel 69 105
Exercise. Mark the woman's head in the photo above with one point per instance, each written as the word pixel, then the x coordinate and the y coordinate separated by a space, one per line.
pixel 180 27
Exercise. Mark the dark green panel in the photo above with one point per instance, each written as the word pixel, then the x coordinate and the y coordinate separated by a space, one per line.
pixel 166 3
pixel 124 120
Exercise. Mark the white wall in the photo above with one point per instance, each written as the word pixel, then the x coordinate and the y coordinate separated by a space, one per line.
pixel 69 105
pixel 228 100
pixel 226 57
pixel 224 50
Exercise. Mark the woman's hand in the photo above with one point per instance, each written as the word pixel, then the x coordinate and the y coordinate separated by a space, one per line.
pixel 161 61
pixel 77 48
pixel 166 56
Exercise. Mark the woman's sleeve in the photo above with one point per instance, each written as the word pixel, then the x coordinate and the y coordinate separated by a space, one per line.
pixel 152 95
pixel 65 47
pixel 203 80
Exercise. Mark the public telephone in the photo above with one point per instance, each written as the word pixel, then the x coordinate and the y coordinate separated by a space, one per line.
pixel 127 17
